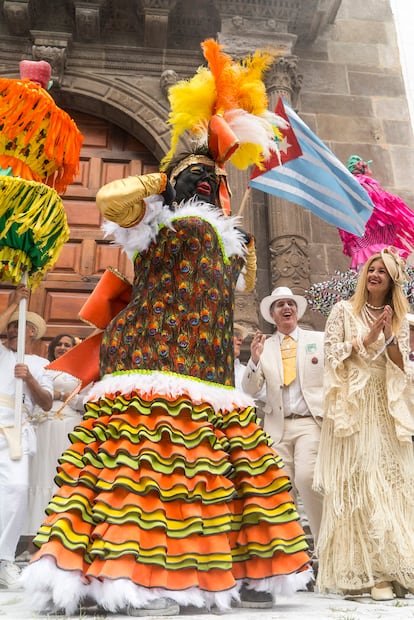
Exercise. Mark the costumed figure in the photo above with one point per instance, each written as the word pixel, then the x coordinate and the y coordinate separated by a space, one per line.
pixel 170 493
pixel 391 222
pixel 365 465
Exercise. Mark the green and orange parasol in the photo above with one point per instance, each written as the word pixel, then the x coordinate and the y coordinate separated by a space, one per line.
pixel 39 156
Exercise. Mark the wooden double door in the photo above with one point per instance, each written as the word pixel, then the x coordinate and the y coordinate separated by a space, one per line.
pixel 108 153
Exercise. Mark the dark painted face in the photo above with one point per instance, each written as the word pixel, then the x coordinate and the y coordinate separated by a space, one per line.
pixel 197 180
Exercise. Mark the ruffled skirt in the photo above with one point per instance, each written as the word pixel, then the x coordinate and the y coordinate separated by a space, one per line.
pixel 164 495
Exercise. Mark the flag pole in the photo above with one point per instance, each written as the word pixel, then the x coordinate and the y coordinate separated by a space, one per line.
pixel 15 433
pixel 244 201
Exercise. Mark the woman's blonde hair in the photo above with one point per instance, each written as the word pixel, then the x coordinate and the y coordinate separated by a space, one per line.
pixel 395 296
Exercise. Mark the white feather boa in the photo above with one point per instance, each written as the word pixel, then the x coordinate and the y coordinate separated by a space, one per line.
pixel 172 385
pixel 138 238
pixel 49 588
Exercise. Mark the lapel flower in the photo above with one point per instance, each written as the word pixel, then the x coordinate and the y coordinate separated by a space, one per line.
pixel 314 360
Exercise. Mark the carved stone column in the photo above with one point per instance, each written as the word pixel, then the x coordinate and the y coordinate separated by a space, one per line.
pixel 287 222
pixel 53 47
pixel 283 80
pixel 241 36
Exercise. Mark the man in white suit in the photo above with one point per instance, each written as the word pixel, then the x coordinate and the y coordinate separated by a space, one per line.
pixel 294 392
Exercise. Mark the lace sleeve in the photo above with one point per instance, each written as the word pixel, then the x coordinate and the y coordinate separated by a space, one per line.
pixel 337 349
pixel 400 389
pixel 346 373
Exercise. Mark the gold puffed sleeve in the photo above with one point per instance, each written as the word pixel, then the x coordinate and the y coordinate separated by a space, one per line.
pixel 122 201
pixel 250 267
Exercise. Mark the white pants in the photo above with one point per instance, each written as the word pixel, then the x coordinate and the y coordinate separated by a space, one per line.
pixel 14 486
pixel 298 449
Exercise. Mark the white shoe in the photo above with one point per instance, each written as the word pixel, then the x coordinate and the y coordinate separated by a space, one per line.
pixel 383 592
pixel 159 607
pixel 9 575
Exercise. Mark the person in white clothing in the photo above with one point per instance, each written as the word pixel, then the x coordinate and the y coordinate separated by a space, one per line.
pixel 37 390
pixel 294 403
pixel 52 433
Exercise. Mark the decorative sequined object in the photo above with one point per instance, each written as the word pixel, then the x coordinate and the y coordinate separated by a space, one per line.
pixel 322 296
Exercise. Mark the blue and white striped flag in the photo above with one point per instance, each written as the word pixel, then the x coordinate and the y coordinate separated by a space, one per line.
pixel 315 179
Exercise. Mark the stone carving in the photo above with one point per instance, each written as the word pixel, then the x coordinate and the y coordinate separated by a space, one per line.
pixel 17 16
pixel 237 23
pixel 289 262
pixel 283 78
pixel 245 310
pixel 56 56
pixel 167 79
pixel 88 26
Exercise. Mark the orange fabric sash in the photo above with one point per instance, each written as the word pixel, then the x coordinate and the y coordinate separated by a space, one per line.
pixel 111 295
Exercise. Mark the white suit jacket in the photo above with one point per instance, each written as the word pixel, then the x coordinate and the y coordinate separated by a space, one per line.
pixel 310 360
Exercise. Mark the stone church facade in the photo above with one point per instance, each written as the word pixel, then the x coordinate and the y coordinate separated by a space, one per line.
pixel 339 67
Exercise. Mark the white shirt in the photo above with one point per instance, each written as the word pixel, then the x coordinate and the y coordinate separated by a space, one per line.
pixel 36 364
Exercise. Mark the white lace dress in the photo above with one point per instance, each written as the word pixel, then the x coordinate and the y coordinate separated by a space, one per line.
pixel 365 465
pixel 52 430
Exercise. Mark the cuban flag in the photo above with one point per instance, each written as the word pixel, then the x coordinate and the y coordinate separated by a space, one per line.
pixel 307 173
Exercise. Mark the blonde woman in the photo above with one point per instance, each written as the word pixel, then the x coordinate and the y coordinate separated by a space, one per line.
pixel 365 466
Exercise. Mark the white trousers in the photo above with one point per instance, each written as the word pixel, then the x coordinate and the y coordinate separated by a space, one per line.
pixel 298 449
pixel 14 486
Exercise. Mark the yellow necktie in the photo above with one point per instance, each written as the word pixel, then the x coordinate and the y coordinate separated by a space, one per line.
pixel 288 350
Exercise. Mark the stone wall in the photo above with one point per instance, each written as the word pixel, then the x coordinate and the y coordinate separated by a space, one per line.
pixel 353 97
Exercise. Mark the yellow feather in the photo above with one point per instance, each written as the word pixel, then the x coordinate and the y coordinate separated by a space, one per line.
pixel 192 104
pixel 246 155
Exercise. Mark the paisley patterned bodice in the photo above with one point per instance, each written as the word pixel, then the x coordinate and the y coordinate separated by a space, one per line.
pixel 180 318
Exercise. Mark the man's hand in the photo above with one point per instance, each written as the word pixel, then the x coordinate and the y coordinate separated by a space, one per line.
pixel 21 371
pixel 20 292
pixel 40 396
pixel 257 346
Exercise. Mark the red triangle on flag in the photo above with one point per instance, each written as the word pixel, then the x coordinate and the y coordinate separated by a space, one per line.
pixel 289 147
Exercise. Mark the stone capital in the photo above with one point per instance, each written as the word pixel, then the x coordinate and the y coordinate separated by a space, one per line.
pixel 53 47
pixel 283 79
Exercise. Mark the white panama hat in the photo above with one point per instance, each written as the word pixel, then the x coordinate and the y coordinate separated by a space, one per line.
pixel 34 319
pixel 282 292
pixel 241 329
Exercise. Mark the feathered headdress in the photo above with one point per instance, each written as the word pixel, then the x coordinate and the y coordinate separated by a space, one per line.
pixel 224 108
